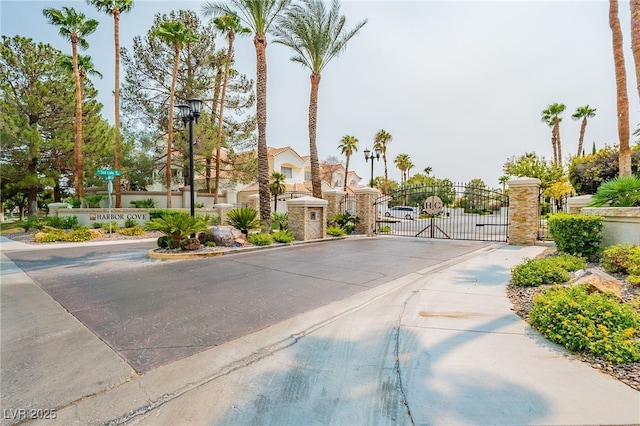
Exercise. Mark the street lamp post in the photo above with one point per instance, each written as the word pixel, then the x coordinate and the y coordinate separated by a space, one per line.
pixel 368 155
pixel 190 113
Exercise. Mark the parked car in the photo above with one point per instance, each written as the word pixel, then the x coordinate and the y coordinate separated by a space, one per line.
pixel 403 212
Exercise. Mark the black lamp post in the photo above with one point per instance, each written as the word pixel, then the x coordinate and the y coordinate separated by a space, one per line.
pixel 190 113
pixel 368 155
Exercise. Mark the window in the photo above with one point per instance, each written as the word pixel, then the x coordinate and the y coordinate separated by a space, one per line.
pixel 287 171
pixel 307 175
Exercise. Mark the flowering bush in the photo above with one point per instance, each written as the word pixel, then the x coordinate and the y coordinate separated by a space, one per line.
pixel 623 259
pixel 594 323
pixel 548 270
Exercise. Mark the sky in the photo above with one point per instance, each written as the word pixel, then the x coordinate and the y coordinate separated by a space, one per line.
pixel 459 84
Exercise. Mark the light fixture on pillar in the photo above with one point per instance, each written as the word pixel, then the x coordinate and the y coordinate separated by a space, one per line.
pixel 368 155
pixel 189 113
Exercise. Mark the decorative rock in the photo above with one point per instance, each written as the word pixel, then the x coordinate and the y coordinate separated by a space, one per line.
pixel 228 236
pixel 601 282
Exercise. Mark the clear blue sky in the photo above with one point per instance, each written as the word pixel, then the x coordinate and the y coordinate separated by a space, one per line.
pixel 459 85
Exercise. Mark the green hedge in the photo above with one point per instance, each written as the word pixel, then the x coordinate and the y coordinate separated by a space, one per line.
pixel 576 234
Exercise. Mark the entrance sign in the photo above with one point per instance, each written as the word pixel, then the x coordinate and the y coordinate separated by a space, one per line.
pixel 433 205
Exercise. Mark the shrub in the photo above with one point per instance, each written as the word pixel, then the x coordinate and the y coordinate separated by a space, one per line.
pixel 245 219
pixel 283 236
pixel 93 201
pixel 31 223
pixel 595 323
pixel 261 239
pixel 131 231
pixel 129 223
pixel 176 226
pixel 51 235
pixel 210 244
pixel 78 235
pixel 281 220
pixel 211 219
pixel 62 222
pixel 97 225
pixel 623 259
pixel 548 270
pixel 587 173
pixel 335 231
pixel 74 201
pixel 114 226
pixel 164 241
pixel 621 191
pixel 576 234
pixel 156 213
pixel 342 220
pixel 146 203
pixel 385 228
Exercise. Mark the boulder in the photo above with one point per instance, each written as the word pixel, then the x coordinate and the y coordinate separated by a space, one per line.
pixel 228 236
pixel 600 281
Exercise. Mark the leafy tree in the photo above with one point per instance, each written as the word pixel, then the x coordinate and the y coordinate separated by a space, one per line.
pixel 530 165
pixel 259 16
pixel 115 8
pixel 74 26
pixel 624 156
pixel 551 116
pixel 587 173
pixel 316 35
pixel 177 35
pixel 348 145
pixel 380 141
pixel 583 113
pixel 277 187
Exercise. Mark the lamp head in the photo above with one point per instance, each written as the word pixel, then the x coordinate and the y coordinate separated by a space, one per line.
pixel 185 110
pixel 378 151
pixel 195 105
pixel 366 153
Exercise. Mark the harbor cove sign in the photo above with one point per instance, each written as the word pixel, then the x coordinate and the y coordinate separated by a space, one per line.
pixel 89 217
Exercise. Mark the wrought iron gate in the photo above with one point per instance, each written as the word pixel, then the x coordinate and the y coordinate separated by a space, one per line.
pixel 444 210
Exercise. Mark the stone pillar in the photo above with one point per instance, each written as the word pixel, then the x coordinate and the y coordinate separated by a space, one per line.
pixel 577 203
pixel 254 201
pixel 524 214
pixel 334 197
pixel 366 210
pixel 231 196
pixel 307 218
pixel 221 210
pixel 186 197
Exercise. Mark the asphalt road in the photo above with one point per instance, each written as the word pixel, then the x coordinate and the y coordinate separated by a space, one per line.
pixel 153 312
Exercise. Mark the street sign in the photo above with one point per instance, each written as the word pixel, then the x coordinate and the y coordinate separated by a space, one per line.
pixel 108 174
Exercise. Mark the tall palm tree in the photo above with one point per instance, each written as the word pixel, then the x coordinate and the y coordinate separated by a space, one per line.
pixel 115 8
pixel 403 163
pixel 635 38
pixel 229 25
pixel 316 35
pixel 624 156
pixel 583 113
pixel 176 35
pixel 551 116
pixel 277 187
pixel 380 141
pixel 427 170
pixel 258 15
pixel 85 68
pixel 348 145
pixel 74 26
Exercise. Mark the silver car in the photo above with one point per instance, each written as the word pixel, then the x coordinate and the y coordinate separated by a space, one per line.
pixel 402 212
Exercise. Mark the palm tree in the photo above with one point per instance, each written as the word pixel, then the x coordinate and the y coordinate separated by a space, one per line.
pixel 402 162
pixel 229 25
pixel 380 142
pixel 115 8
pixel 85 68
pixel 258 15
pixel 624 156
pixel 316 35
pixel 551 116
pixel 427 170
pixel 635 37
pixel 583 113
pixel 348 145
pixel 176 35
pixel 74 26
pixel 277 187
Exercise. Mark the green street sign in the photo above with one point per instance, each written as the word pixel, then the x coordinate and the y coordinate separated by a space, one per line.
pixel 108 174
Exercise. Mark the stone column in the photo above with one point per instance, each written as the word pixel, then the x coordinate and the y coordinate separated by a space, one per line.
pixel 524 214
pixel 577 203
pixel 365 210
pixel 307 218
pixel 334 197
pixel 221 210
pixel 186 197
pixel 254 201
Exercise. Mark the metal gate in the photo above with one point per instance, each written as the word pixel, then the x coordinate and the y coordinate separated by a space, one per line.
pixel 444 210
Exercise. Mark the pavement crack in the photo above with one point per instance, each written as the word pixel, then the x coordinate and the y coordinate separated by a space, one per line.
pixel 396 351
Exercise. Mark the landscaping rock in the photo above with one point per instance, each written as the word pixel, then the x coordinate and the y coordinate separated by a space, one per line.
pixel 228 236
pixel 601 282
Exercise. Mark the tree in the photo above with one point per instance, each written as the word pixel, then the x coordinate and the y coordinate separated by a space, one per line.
pixel 551 116
pixel 380 141
pixel 277 187
pixel 635 37
pixel 85 68
pixel 259 16
pixel 115 8
pixel 316 35
pixel 74 26
pixel 531 165
pixel 427 170
pixel 403 163
pixel 583 113
pixel 624 156
pixel 587 173
pixel 348 145
pixel 229 25
pixel 175 34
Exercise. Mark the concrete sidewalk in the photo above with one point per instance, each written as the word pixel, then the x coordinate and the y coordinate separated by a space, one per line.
pixel 437 346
